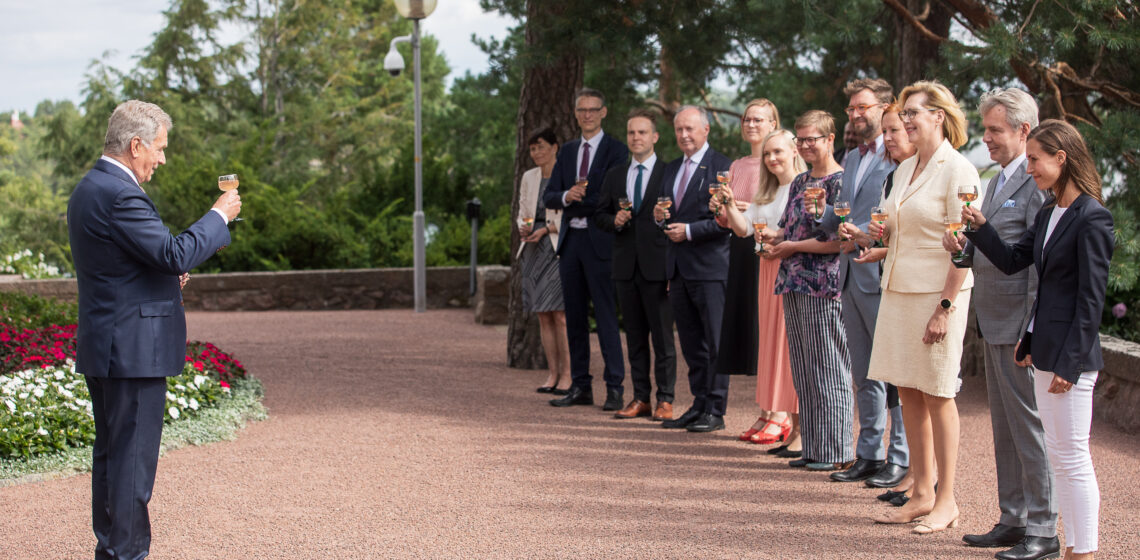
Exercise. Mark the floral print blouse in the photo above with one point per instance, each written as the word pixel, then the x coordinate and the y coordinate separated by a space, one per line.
pixel 809 273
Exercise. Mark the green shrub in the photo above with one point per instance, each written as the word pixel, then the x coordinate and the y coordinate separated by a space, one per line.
pixel 35 312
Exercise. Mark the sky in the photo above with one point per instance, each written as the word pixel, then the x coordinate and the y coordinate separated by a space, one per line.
pixel 47 46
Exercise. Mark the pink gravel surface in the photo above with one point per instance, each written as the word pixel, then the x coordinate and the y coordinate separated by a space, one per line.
pixel 397 435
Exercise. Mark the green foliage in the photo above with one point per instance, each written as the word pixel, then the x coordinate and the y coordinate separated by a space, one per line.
pixel 34 312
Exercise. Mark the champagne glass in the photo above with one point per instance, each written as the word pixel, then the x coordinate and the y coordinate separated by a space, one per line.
pixel 664 203
pixel 954 225
pixel 626 204
pixel 842 209
pixel 879 214
pixel 712 194
pixel 815 190
pixel 228 183
pixel 759 225
pixel 968 193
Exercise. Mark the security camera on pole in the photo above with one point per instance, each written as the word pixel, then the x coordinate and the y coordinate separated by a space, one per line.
pixel 414 10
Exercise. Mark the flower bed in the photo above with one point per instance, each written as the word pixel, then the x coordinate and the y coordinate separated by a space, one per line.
pixel 45 407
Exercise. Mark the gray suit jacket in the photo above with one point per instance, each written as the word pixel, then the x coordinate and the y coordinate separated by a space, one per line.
pixel 866 276
pixel 1002 302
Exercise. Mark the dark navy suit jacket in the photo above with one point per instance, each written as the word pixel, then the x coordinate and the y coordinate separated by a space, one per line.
pixel 131 320
pixel 611 153
pixel 1072 271
pixel 705 257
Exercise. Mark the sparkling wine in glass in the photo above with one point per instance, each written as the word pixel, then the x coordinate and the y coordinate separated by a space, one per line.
pixel 815 190
pixel 842 209
pixel 664 203
pixel 968 193
pixel 759 226
pixel 528 222
pixel 712 193
pixel 228 183
pixel 879 214
pixel 954 225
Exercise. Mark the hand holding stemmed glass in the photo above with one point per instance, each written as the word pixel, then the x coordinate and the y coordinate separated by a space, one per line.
pixel 879 215
pixel 230 202
pixel 625 212
pixel 813 197
pixel 578 191
pixel 661 210
pixel 842 209
pixel 759 225
pixel 953 225
pixel 968 193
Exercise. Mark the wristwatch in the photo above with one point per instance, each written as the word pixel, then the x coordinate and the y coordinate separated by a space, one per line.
pixel 945 304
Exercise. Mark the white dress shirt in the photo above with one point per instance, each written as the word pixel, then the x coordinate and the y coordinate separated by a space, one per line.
pixel 631 176
pixel 581 223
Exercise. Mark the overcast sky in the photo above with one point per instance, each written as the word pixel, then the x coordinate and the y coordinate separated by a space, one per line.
pixel 46 46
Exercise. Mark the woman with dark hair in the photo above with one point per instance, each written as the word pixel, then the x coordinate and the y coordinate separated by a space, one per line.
pixel 541 286
pixel 1070 244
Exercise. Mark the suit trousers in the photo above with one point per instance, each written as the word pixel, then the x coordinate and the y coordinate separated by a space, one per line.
pixel 1025 482
pixel 586 278
pixel 128 430
pixel 859 312
pixel 698 307
pixel 647 316
pixel 1067 419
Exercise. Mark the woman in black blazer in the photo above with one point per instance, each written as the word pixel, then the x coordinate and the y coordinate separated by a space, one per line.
pixel 1071 244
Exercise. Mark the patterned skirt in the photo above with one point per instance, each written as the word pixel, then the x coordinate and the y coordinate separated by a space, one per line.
pixel 541 284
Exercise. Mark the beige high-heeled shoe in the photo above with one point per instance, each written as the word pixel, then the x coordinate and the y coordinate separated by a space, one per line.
pixel 926 528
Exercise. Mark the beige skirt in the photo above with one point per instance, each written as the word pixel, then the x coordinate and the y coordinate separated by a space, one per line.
pixel 901 358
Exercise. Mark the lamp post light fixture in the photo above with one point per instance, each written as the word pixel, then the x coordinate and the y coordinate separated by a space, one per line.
pixel 414 10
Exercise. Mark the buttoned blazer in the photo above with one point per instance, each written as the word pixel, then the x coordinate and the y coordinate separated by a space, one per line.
pixel 127 264
pixel 1072 272
pixel 1002 302
pixel 610 153
pixel 862 199
pixel 916 261
pixel 639 243
pixel 528 201
pixel 705 256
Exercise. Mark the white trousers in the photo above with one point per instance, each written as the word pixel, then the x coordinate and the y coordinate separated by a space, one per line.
pixel 1067 418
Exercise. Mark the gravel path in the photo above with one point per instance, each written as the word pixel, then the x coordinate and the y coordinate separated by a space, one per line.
pixel 396 435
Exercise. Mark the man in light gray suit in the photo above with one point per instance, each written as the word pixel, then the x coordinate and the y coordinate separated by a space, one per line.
pixel 864 171
pixel 1028 520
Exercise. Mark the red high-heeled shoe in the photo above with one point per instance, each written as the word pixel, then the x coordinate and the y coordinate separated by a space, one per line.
pixel 747 436
pixel 764 437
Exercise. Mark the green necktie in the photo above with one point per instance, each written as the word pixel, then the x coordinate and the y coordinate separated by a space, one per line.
pixel 637 188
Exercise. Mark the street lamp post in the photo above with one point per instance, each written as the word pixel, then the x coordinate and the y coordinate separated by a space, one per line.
pixel 416 10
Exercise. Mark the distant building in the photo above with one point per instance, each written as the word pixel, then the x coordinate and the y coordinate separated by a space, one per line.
pixel 16 124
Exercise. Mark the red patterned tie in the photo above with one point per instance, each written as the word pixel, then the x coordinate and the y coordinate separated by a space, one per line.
pixel 864 148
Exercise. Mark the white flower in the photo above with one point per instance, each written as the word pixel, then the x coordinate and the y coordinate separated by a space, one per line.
pixel 59 375
pixel 199 380
pixel 38 392
pixel 193 404
pixel 182 402
pixel 174 412
pixel 11 405
pixel 42 432
pixel 24 395
pixel 180 387
pixel 171 396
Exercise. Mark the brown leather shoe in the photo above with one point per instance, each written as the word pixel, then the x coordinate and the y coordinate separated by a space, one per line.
pixel 664 412
pixel 634 409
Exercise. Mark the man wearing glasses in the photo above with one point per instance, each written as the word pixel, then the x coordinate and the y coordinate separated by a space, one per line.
pixel 864 172
pixel 584 250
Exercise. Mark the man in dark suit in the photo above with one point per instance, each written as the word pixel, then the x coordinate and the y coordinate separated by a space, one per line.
pixel 575 187
pixel 1025 489
pixel 696 264
pixel 863 175
pixel 132 328
pixel 639 268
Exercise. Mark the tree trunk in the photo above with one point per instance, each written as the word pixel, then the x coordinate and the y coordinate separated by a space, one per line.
pixel 545 100
pixel 915 51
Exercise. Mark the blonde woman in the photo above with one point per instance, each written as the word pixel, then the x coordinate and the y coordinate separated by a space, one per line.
pixel 779 408
pixel 922 317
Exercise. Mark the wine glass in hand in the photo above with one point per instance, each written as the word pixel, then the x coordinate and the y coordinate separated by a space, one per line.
pixel 879 214
pixel 228 183
pixel 968 193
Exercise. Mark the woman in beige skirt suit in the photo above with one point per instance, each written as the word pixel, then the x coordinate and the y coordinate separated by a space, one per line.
pixel 922 317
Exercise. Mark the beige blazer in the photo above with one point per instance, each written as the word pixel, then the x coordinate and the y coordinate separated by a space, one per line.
pixel 528 201
pixel 916 263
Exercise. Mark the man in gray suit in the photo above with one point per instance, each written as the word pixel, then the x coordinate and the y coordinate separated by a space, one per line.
pixel 1028 520
pixel 864 171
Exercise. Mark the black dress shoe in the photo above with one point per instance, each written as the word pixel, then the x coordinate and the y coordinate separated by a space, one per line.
pixel 900 501
pixel 861 470
pixel 1000 536
pixel 557 391
pixel 776 450
pixel 683 420
pixel 889 495
pixel 706 423
pixel 576 395
pixel 888 477
pixel 613 400
pixel 1032 548
pixel 549 389
pixel 789 454
pixel 799 463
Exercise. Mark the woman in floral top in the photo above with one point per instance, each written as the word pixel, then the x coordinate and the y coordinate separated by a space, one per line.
pixel 809 285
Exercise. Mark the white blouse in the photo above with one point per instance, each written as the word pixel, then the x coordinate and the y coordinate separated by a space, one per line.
pixel 772 211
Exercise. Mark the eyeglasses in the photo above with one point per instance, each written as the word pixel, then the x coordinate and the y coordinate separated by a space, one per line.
pixel 861 108
pixel 908 114
pixel 807 142
pixel 756 122
pixel 588 110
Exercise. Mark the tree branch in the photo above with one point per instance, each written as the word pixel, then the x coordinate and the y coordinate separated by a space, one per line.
pixel 913 21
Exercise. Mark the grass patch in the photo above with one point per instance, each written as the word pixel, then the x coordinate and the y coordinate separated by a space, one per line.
pixel 218 423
